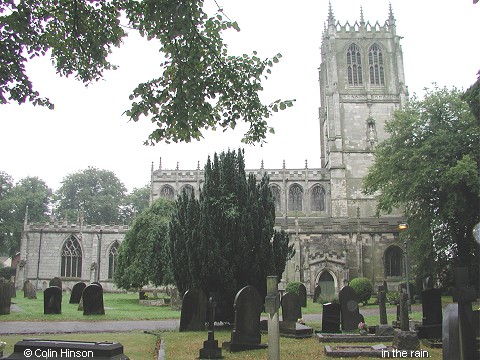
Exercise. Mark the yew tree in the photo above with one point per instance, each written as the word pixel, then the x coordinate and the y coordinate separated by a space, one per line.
pixel 428 167
pixel 225 239
pixel 200 85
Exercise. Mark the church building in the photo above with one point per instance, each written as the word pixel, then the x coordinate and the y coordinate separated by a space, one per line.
pixel 333 225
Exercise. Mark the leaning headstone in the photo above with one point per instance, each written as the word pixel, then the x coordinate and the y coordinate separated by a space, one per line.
pixel 77 291
pixel 56 281
pixel 52 300
pixel 29 291
pixel 291 307
pixel 431 327
pixel 210 348
pixel 349 313
pixel 248 306
pixel 5 297
pixel 302 295
pixel 450 333
pixel 331 318
pixel 194 310
pixel 382 306
pixel 316 293
pixel 93 300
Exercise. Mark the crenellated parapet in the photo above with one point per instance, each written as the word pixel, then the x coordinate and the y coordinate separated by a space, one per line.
pixel 63 226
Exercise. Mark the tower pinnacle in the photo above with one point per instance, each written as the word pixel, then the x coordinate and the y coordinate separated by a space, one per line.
pixel 391 18
pixel 362 20
pixel 331 18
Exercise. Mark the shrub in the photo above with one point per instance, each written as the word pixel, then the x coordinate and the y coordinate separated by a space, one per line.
pixel 293 286
pixel 7 272
pixel 364 289
pixel 393 297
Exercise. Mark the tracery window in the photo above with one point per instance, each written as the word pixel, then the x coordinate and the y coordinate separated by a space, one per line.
pixel 112 259
pixel 393 261
pixel 71 265
pixel 375 63
pixel 167 192
pixel 317 199
pixel 276 197
pixel 295 198
pixel 354 65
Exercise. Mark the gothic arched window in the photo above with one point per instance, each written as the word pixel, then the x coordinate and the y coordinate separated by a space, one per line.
pixel 375 64
pixel 71 258
pixel 112 259
pixel 276 197
pixel 295 198
pixel 167 192
pixel 354 65
pixel 393 261
pixel 188 190
pixel 317 199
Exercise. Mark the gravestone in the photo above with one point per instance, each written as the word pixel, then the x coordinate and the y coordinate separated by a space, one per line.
pixel 382 306
pixel 431 327
pixel 5 297
pixel 272 304
pixel 404 318
pixel 194 310
pixel 77 291
pixel 419 286
pixel 316 293
pixel 210 348
pixel 428 282
pixel 331 318
pixel 291 309
pixel 13 292
pixel 450 333
pixel 385 286
pixel 349 314
pixel 56 282
pixel 52 300
pixel 44 285
pixel 248 306
pixel 29 291
pixel 92 297
pixel 302 294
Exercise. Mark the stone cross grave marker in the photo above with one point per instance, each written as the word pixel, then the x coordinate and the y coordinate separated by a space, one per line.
pixel 302 294
pixel 210 348
pixel 52 300
pixel 92 297
pixel 194 310
pixel 272 304
pixel 77 291
pixel 248 306
pixel 331 318
pixel 5 297
pixel 29 291
pixel 382 306
pixel 56 281
pixel 350 315
pixel 291 309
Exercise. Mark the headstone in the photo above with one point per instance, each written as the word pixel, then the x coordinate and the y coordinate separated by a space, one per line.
pixel 13 291
pixel 175 301
pixel 419 286
pixel 272 304
pixel 382 306
pixel 349 313
pixel 77 291
pixel 44 285
pixel 56 282
pixel 5 297
pixel 52 300
pixel 385 285
pixel 450 333
pixel 331 318
pixel 194 310
pixel 29 291
pixel 404 319
pixel 210 348
pixel 248 306
pixel 406 340
pixel 428 282
pixel 291 309
pixel 431 327
pixel 316 293
pixel 302 294
pixel 93 300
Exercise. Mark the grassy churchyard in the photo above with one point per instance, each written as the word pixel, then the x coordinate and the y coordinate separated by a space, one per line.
pixel 140 345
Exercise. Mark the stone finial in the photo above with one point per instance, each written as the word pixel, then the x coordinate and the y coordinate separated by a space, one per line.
pixel 261 165
pixel 331 18
pixel 306 164
pixel 198 165
pixel 391 18
pixel 160 164
pixel 283 164
pixel 177 166
pixel 362 20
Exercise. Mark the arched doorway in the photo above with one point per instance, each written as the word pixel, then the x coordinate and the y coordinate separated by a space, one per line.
pixel 327 285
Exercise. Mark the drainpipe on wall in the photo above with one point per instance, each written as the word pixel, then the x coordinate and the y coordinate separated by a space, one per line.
pixel 99 249
pixel 39 252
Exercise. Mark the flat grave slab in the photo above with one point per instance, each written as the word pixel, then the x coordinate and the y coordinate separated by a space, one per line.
pixel 432 343
pixel 353 338
pixel 356 351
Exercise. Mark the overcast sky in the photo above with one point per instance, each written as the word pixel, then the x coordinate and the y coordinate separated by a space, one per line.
pixel 440 44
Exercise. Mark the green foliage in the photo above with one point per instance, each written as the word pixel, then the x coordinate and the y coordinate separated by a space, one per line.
pixel 472 97
pixel 393 297
pixel 429 168
pixel 364 289
pixel 7 272
pixel 200 86
pixel 293 286
pixel 221 242
pixel 29 192
pixel 134 204
pixel 97 193
pixel 141 258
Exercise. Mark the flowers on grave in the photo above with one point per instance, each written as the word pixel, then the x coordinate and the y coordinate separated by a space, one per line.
pixel 362 328
pixel 301 321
